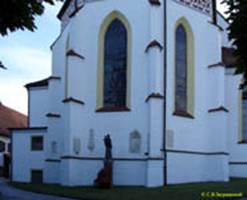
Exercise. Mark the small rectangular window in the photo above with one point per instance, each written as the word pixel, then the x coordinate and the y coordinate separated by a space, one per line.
pixel 37 143
pixel 37 176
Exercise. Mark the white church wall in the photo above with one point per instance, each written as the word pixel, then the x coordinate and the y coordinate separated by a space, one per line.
pixel 52 171
pixel 238 162
pixel 54 142
pixel 155 171
pixel 217 132
pixel 57 132
pixel 216 83
pixel 83 83
pixel 24 160
pixel 186 168
pixel 87 173
pixel 79 129
pixel 126 172
pixel 238 170
pixel 189 133
pixel 125 169
pixel 224 25
pixel 58 53
pixel 58 126
pixel 38 106
pixel 194 134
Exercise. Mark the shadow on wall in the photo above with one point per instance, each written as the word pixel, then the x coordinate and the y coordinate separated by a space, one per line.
pixel 5 167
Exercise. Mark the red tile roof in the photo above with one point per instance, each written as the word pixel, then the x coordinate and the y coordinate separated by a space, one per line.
pixel 10 118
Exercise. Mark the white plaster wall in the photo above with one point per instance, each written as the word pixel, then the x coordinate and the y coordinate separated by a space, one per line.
pixel 83 80
pixel 195 134
pixel 58 127
pixel 59 52
pixel 52 173
pixel 83 172
pixel 76 120
pixel 123 170
pixel 155 173
pixel 125 173
pixel 238 170
pixel 191 133
pixel 23 158
pixel 38 106
pixel 186 168
pixel 238 166
pixel 224 24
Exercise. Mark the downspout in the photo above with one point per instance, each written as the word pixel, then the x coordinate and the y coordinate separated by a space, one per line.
pixel 165 97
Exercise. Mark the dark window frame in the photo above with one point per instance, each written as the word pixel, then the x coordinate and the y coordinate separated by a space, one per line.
pixel 2 147
pixel 33 143
pixel 33 176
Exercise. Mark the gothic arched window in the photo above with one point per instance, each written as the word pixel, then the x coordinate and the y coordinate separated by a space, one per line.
pixel 181 70
pixel 115 65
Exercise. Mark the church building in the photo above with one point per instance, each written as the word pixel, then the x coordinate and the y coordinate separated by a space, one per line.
pixel 158 76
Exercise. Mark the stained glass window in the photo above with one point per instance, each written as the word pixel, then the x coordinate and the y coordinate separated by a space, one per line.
pixel 115 65
pixel 181 69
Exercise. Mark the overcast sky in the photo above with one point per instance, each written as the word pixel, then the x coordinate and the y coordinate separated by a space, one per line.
pixel 28 58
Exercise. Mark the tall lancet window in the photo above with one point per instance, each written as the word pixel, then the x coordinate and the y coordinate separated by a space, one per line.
pixel 244 115
pixel 115 65
pixel 181 70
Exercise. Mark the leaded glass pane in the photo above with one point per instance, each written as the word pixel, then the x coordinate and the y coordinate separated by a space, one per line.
pixel 181 70
pixel 115 65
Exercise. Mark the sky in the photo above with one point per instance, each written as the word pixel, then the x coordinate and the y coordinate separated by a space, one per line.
pixel 27 56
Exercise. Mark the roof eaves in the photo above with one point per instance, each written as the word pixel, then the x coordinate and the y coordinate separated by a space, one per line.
pixel 40 83
pixel 28 129
pixel 63 9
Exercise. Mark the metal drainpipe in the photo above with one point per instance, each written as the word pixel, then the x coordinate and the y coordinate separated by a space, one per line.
pixel 165 97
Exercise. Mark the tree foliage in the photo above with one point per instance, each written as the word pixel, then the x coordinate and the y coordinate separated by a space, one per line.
pixel 237 11
pixel 20 14
pixel 2 66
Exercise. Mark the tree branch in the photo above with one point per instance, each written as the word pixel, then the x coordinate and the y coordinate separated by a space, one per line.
pixel 2 66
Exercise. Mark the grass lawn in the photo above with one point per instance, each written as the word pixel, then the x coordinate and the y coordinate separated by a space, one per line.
pixel 174 192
